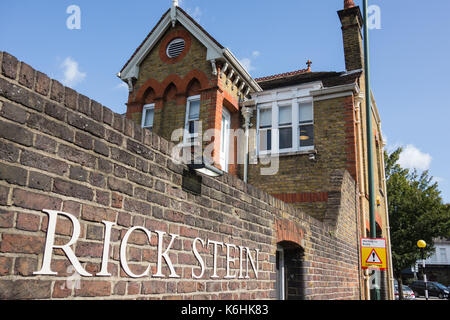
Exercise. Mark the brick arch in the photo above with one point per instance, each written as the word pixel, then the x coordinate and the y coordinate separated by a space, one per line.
pixel 181 84
pixel 176 81
pixel 199 76
pixel 170 92
pixel 149 84
pixel 230 103
pixel 288 231
pixel 149 96
pixel 193 88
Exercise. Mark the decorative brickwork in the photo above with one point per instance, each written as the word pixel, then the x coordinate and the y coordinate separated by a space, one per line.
pixel 289 231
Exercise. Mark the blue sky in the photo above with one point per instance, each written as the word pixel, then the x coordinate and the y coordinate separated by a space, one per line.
pixel 409 54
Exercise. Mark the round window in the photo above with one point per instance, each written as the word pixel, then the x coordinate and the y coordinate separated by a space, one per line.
pixel 175 48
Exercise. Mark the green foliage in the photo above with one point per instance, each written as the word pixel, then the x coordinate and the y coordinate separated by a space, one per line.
pixel 416 212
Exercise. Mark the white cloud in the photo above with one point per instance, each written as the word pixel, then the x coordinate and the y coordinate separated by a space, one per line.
pixel 413 158
pixel 247 64
pixel 72 74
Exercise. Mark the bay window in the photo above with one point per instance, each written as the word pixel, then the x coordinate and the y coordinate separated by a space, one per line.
pixel 286 126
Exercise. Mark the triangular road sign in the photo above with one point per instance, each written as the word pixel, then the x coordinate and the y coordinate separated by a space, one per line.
pixel 374 258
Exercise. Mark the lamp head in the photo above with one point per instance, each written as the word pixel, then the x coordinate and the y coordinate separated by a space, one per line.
pixel 421 244
pixel 205 167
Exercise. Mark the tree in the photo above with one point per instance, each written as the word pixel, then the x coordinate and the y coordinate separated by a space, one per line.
pixel 416 212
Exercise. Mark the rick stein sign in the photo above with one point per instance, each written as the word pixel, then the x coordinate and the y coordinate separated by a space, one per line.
pixel 240 262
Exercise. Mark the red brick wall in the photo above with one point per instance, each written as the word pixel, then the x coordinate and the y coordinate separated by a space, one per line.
pixel 59 150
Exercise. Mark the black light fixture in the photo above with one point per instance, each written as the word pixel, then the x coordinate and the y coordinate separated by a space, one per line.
pixel 204 168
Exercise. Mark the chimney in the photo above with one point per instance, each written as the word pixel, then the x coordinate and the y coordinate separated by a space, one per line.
pixel 352 24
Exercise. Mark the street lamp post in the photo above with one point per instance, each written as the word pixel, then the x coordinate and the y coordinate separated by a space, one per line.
pixel 422 245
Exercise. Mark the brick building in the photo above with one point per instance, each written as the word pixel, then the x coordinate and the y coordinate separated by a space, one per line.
pixel 309 125
pixel 97 205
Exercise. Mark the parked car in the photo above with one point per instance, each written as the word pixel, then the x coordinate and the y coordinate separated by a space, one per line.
pixel 408 294
pixel 435 289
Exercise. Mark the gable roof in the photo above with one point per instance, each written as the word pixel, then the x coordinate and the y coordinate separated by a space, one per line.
pixel 215 51
pixel 146 38
pixel 156 26
pixel 201 28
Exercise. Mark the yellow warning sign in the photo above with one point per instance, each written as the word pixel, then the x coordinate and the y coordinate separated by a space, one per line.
pixel 373 253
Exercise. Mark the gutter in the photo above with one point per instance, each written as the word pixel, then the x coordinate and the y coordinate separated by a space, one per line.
pixel 342 90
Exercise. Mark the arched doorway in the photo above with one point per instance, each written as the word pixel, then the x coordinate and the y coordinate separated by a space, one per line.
pixel 290 271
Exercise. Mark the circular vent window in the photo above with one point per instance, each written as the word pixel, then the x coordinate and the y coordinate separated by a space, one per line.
pixel 175 48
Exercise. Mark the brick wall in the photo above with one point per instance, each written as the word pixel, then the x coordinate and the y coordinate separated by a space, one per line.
pixel 60 150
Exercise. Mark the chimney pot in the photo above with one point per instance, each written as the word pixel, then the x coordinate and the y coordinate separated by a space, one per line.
pixel 348 4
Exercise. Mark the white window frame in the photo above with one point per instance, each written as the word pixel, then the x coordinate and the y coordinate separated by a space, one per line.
pixel 295 125
pixel 225 139
pixel 264 152
pixel 281 105
pixel 188 136
pixel 310 123
pixel 147 108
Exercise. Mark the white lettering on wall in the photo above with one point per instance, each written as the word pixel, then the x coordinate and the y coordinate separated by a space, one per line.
pixel 199 258
pixel 50 244
pixel 231 266
pixel 123 253
pixel 165 255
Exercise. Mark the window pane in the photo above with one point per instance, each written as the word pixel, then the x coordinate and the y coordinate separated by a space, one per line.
pixel 194 110
pixel 265 118
pixel 307 136
pixel 265 140
pixel 193 127
pixel 285 138
pixel 306 112
pixel 224 140
pixel 285 115
pixel 148 118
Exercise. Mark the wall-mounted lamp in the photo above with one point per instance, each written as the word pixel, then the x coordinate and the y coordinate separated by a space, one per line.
pixel 206 169
pixel 312 155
